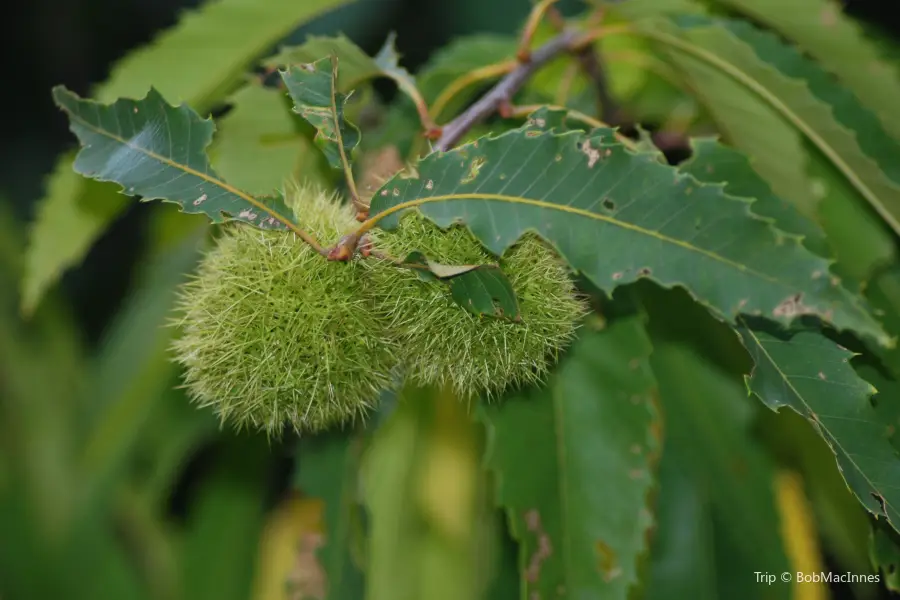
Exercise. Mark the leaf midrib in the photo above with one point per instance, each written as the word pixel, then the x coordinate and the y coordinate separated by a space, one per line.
pixel 809 409
pixel 372 221
pixel 171 163
pixel 755 86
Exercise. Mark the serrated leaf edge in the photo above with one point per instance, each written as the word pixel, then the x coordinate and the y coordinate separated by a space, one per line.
pixel 62 90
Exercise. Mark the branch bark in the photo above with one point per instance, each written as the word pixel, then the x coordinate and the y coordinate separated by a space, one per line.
pixel 503 92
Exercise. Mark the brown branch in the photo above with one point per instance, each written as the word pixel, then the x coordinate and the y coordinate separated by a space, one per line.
pixel 593 67
pixel 502 93
pixel 596 71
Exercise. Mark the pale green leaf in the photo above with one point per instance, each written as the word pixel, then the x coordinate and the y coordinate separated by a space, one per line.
pixel 388 62
pixel 212 47
pixel 751 125
pixel 812 375
pixel 313 89
pixel 616 217
pixel 69 218
pixel 820 28
pixel 884 294
pixel 633 10
pixel 260 146
pixel 828 115
pixel 859 239
pixel 158 151
pixel 355 66
pixel 424 490
pixel 578 503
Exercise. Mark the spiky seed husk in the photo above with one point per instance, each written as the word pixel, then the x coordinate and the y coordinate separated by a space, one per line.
pixel 275 335
pixel 443 344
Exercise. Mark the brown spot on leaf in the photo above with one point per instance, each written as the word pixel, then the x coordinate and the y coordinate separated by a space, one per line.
pixel 608 563
pixel 829 16
pixel 636 449
pixel 544 548
pixel 198 201
pixel 608 204
pixel 617 276
pixel 822 376
pixel 634 363
pixel 593 154
pixel 533 520
pixel 474 169
pixel 644 271
pixel 636 474
pixel 307 577
pixel 792 307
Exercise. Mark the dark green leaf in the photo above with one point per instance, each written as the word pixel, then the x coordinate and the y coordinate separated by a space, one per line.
pixel 578 503
pixel 617 216
pixel 133 371
pixel 812 375
pixel 884 551
pixel 682 556
pixel 213 47
pixel 708 420
pixel 327 469
pixel 313 89
pixel 158 151
pixel 480 289
pixel 712 162
pixel 226 521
